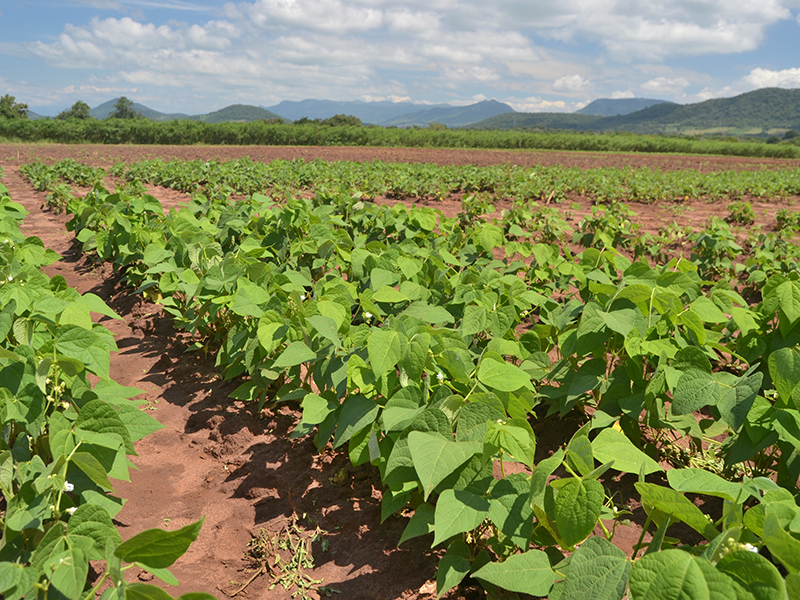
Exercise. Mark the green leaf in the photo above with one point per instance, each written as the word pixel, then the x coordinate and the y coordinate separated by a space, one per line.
pixel 611 444
pixel 93 469
pixel 514 441
pixel 453 567
pixel 158 548
pixel 735 403
pixel 421 523
pixel 385 348
pixel 577 507
pixel 70 569
pixel 526 573
pixel 784 368
pixel 699 481
pixel 357 413
pixel 94 522
pixel 623 320
pixel 754 573
pixel 85 346
pixel 435 315
pixel 708 311
pixel 694 390
pixel 53 539
pixel 580 455
pixel 388 294
pixel 793 586
pixel 164 575
pixel 474 320
pixel 76 314
pixel 145 591
pixel 10 575
pixel 541 474
pixel 435 457
pixel 416 355
pixel 97 305
pixel 503 376
pixel 488 237
pixel 782 545
pixel 677 506
pixel 99 416
pixel 326 328
pixel 598 570
pixel 510 510
pixel 295 353
pixel 788 295
pixel 472 419
pixel 458 512
pixel 138 423
pixel 316 409
pixel 677 574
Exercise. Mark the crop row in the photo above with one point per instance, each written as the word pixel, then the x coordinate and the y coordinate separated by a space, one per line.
pixel 415 180
pixel 431 347
pixel 62 438
pixel 714 248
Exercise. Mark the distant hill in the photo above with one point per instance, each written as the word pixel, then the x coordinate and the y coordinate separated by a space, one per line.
pixel 105 109
pixel 452 116
pixel 388 114
pixel 376 113
pixel 237 113
pixel 769 110
pixel 234 113
pixel 611 107
pixel 33 116
pixel 761 110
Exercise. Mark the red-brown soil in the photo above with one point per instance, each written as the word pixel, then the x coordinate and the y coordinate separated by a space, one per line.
pixel 217 458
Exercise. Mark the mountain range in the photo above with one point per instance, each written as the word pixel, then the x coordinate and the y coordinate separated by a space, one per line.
pixel 765 111
pixel 610 107
pixel 398 114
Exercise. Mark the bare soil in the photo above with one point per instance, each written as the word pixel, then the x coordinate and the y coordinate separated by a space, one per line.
pixel 219 459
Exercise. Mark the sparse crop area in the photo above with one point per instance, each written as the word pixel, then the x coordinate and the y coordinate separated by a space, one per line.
pixel 556 399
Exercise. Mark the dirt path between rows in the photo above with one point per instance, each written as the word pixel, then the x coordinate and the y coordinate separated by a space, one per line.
pixel 216 458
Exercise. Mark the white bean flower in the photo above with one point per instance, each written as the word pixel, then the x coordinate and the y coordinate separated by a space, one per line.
pixel 68 487
pixel 367 316
pixel 440 376
pixel 751 548
pixel 11 278
pixel 302 297
pixel 71 510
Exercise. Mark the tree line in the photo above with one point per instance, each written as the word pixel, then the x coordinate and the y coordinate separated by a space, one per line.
pixel 123 109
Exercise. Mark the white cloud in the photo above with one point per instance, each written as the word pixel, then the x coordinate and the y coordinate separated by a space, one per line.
pixel 635 29
pixel 390 98
pixel 334 16
pixel 786 78
pixel 471 74
pixel 571 83
pixel 537 104
pixel 666 86
pixel 341 49
pixel 708 93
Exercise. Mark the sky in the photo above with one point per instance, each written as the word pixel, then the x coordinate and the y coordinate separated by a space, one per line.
pixel 197 56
